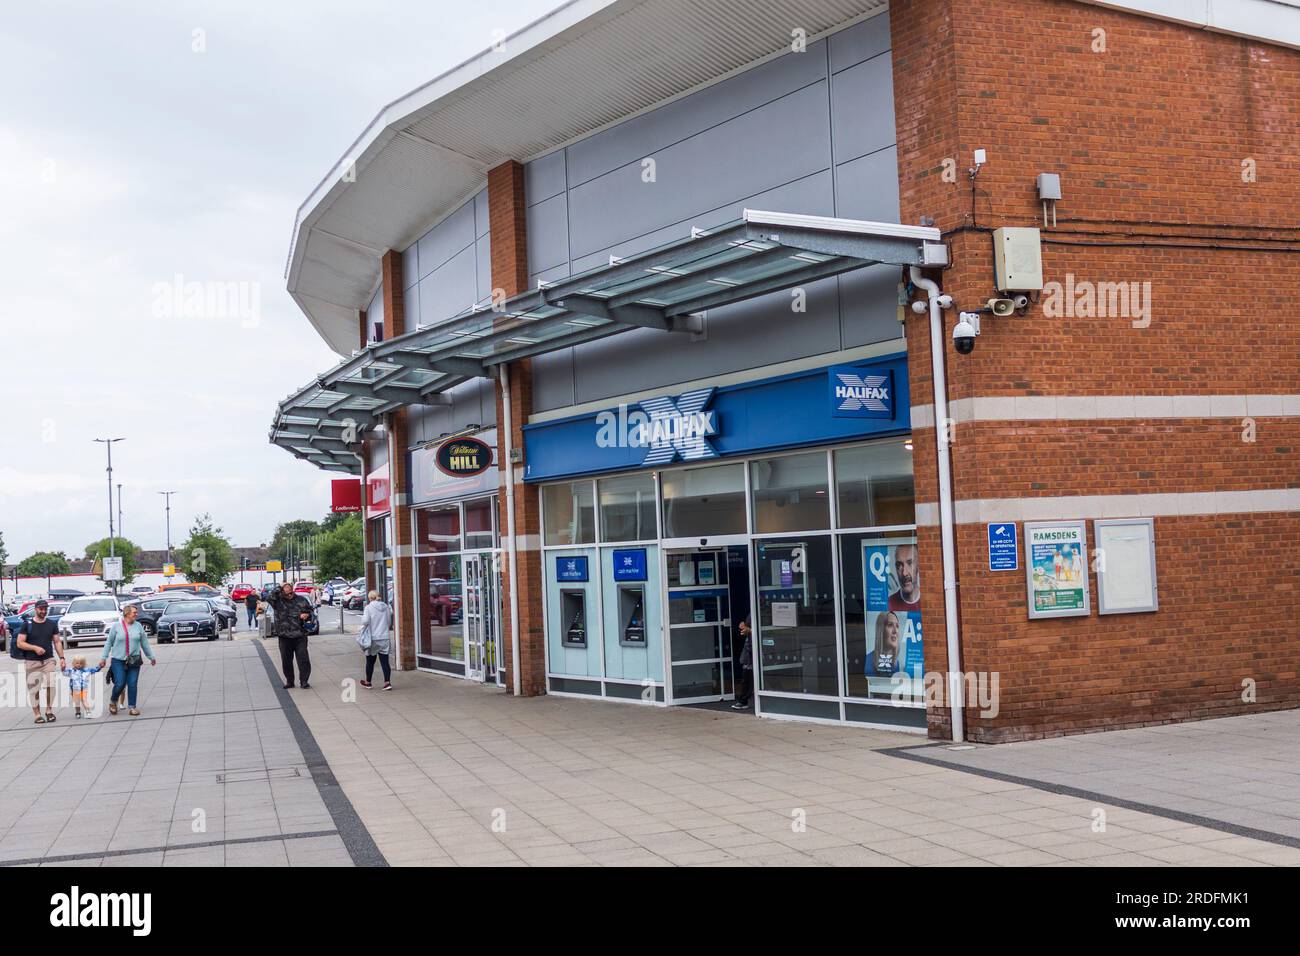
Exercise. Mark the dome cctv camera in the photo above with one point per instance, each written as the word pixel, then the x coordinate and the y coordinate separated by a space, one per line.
pixel 965 331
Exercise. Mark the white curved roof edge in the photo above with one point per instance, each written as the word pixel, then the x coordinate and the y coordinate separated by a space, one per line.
pixel 1273 21
pixel 401 111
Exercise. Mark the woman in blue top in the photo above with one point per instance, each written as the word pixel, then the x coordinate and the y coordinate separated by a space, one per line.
pixel 126 647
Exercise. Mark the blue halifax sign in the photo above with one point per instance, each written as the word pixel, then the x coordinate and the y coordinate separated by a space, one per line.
pixel 838 403
pixel 861 393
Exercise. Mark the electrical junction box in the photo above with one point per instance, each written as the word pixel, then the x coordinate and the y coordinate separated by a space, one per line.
pixel 1017 259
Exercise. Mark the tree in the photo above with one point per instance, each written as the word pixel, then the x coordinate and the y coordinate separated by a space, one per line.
pixel 123 548
pixel 340 553
pixel 42 563
pixel 206 556
pixel 4 554
pixel 335 518
pixel 291 532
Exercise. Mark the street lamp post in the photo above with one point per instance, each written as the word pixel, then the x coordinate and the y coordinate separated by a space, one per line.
pixel 119 509
pixel 167 496
pixel 108 445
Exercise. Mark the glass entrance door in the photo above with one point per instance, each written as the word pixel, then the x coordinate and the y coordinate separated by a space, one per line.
pixel 699 626
pixel 480 613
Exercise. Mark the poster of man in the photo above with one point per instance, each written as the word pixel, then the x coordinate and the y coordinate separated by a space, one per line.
pixel 893 607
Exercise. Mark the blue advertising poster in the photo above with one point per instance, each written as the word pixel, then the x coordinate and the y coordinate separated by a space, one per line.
pixel 571 568
pixel 629 565
pixel 1004 552
pixel 892 591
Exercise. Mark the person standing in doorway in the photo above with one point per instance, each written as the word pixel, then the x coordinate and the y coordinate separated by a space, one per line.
pixel 745 693
pixel 250 605
pixel 376 624
pixel 292 611
pixel 38 639
pixel 125 649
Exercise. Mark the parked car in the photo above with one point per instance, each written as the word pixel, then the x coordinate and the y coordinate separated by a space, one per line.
pixel 444 601
pixel 308 590
pixel 152 607
pixel 88 618
pixel 241 591
pixel 198 588
pixel 14 621
pixel 193 618
pixel 141 590
pixel 354 597
pixel 65 594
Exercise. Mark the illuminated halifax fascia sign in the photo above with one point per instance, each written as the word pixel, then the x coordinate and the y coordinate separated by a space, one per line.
pixel 856 393
pixel 789 411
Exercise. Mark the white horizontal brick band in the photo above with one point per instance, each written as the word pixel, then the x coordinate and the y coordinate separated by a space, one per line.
pixel 1166 505
pixel 1027 408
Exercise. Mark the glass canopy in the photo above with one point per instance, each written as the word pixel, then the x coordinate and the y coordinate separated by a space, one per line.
pixel 665 288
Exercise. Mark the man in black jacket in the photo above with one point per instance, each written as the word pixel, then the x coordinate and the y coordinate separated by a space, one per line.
pixel 292 612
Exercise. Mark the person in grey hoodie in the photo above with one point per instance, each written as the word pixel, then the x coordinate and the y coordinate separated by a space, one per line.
pixel 376 624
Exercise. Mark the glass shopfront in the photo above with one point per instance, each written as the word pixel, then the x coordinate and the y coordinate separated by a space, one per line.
pixel 458 590
pixel 817 548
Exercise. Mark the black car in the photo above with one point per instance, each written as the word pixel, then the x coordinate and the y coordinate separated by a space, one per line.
pixel 192 618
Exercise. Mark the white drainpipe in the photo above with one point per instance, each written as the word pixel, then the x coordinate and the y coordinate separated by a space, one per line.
pixel 503 372
pixel 956 699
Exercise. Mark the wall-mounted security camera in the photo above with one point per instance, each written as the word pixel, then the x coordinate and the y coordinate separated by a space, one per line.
pixel 1001 306
pixel 965 331
pixel 1021 301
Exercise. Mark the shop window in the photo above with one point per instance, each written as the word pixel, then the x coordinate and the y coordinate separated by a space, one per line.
pixel 437 530
pixel 699 502
pixel 378 536
pixel 627 508
pixel 438 587
pixel 880 581
pixel 796 616
pixel 570 513
pixel 874 485
pixel 479 523
pixel 791 493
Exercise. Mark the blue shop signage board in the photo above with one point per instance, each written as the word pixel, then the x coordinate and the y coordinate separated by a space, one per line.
pixel 837 403
pixel 1004 552
pixel 629 564
pixel 570 568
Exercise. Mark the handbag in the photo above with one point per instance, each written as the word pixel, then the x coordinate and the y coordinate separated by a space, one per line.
pixel 133 659
pixel 363 638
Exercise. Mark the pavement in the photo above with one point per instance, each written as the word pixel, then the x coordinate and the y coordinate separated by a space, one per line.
pixel 442 772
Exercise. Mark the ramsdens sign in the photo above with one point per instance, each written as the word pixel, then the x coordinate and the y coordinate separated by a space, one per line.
pixel 861 393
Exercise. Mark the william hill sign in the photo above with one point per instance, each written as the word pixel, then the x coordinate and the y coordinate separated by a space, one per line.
pixel 463 457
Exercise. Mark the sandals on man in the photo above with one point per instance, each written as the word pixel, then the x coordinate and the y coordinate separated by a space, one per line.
pixel 112 707
pixel 134 712
pixel 40 719
pixel 49 716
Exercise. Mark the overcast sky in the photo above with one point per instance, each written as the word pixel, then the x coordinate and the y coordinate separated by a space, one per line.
pixel 128 158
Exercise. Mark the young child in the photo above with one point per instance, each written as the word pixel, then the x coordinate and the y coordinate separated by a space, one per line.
pixel 79 681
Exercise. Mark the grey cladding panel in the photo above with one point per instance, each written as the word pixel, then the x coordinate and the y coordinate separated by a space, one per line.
pixel 447 238
pixel 867 188
pixel 859 42
pixel 553 380
pixel 544 178
pixel 481 223
pixel 783 141
pixel 862 109
pixel 636 138
pixel 548 234
pixel 869 305
pixel 449 289
pixel 811 195
pixel 746 335
pixel 483 267
pixel 411 265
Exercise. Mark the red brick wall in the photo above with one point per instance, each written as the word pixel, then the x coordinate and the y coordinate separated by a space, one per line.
pixel 1149 138
pixel 508 229
pixel 399 474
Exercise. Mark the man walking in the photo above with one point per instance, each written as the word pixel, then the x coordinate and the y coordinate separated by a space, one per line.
pixel 250 605
pixel 292 611
pixel 39 641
